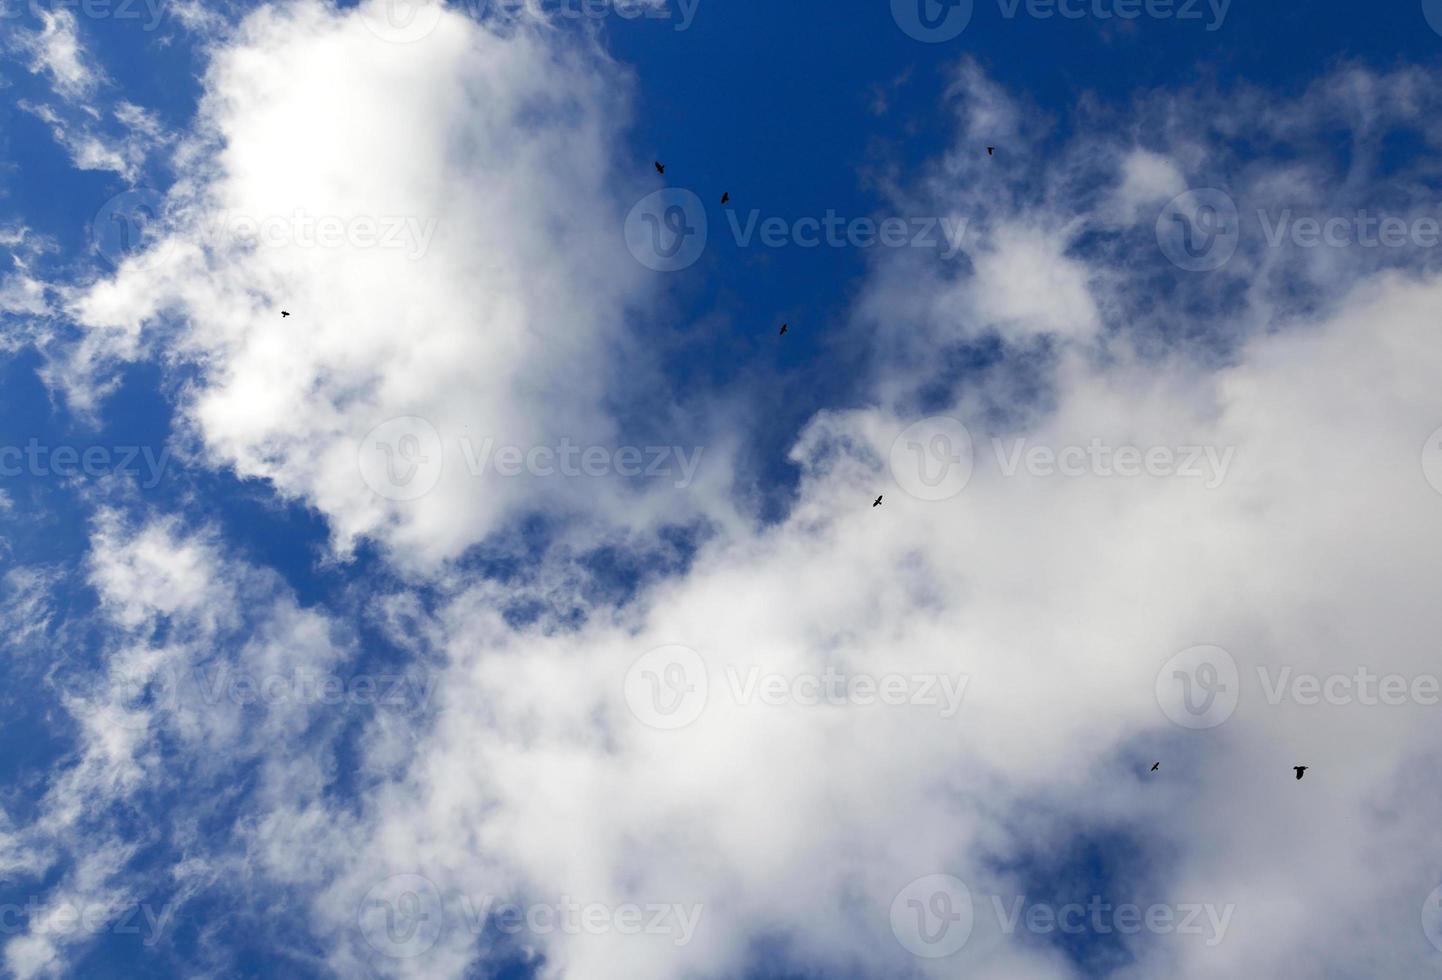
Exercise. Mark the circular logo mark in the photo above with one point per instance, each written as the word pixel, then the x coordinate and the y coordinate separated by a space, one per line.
pixel 131 226
pixel 667 687
pixel 932 21
pixel 1432 918
pixel 666 230
pixel 932 917
pixel 401 459
pixel 128 701
pixel 1432 460
pixel 401 21
pixel 1198 231
pixel 933 459
pixel 401 917
pixel 1199 687
pixel 1432 10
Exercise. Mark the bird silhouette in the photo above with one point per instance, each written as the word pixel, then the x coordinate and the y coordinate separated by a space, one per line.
pixel 1300 770
pixel 877 501
pixel 991 151
pixel 783 331
pixel 725 196
pixel 283 314
pixel 660 167
pixel 1156 766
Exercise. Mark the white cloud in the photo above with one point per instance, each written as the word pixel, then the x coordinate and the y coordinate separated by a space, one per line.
pixel 56 50
pixel 1059 597
pixel 500 315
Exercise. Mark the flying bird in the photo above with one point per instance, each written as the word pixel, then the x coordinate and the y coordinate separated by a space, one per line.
pixel 725 196
pixel 660 167
pixel 991 151
pixel 1156 766
pixel 783 331
pixel 877 501
pixel 1300 770
pixel 283 314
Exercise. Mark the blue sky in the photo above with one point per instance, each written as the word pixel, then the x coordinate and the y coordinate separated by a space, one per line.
pixel 508 573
